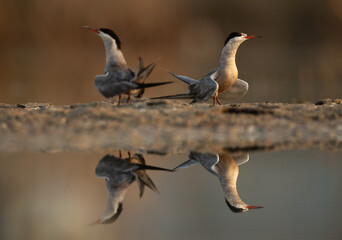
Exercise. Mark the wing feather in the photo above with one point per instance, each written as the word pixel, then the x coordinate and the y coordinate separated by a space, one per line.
pixel 203 90
pixel 235 92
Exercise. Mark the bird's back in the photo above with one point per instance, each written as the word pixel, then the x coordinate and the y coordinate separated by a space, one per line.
pixel 115 82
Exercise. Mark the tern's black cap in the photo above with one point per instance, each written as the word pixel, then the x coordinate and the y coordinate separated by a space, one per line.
pixel 115 216
pixel 232 35
pixel 112 34
pixel 234 209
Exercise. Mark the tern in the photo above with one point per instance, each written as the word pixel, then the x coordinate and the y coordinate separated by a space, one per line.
pixel 119 78
pixel 120 174
pixel 221 80
pixel 225 168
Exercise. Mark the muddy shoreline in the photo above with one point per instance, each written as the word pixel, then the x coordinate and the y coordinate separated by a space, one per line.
pixel 165 126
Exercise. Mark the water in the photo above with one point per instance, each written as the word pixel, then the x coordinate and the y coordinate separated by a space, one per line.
pixel 56 195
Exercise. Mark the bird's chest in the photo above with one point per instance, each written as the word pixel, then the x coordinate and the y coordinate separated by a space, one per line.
pixel 226 78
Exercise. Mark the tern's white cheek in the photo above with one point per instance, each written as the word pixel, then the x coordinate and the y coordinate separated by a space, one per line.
pixel 237 40
pixel 108 40
pixel 242 39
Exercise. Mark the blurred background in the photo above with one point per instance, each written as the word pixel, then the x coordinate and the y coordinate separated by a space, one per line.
pixel 47 57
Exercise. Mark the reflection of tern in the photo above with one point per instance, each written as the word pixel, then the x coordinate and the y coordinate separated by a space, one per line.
pixel 120 174
pixel 119 78
pixel 222 79
pixel 225 167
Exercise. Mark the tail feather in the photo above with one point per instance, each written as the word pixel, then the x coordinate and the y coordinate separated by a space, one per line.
pixel 141 66
pixel 176 96
pixel 148 167
pixel 148 85
pixel 146 181
pixel 141 186
pixel 143 72
pixel 185 79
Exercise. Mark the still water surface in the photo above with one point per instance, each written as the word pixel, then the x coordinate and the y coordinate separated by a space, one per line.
pixel 57 195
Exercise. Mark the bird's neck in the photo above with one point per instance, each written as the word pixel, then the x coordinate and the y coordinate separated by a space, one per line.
pixel 229 172
pixel 228 54
pixel 114 56
pixel 232 195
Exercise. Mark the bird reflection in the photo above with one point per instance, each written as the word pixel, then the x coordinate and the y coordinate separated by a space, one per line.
pixel 225 167
pixel 120 173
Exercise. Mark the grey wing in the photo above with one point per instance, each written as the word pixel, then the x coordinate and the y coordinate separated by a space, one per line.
pixel 204 89
pixel 110 85
pixel 211 72
pixel 113 164
pixel 188 163
pixel 207 160
pixel 185 79
pixel 235 92
pixel 130 75
pixel 107 166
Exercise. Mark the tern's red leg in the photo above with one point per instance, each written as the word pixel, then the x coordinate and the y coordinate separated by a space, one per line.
pixel 119 100
pixel 214 100
pixel 129 154
pixel 120 155
pixel 129 97
pixel 218 101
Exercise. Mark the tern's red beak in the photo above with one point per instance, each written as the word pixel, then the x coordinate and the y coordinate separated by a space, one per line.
pixel 98 221
pixel 251 36
pixel 91 29
pixel 253 207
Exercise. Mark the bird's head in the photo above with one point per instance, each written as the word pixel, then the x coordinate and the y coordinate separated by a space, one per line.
pixel 109 217
pixel 240 207
pixel 106 34
pixel 238 38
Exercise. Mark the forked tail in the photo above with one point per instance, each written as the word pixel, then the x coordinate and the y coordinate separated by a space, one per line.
pixel 176 96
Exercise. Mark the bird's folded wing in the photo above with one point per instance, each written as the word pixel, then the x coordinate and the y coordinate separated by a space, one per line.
pixel 110 86
pixel 240 158
pixel 235 92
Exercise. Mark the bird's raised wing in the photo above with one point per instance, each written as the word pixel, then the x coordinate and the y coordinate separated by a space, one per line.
pixel 204 89
pixel 211 72
pixel 186 164
pixel 207 160
pixel 187 80
pixel 143 72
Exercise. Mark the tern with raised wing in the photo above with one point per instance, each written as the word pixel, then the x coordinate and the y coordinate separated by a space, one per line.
pixel 225 168
pixel 120 173
pixel 223 80
pixel 119 78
